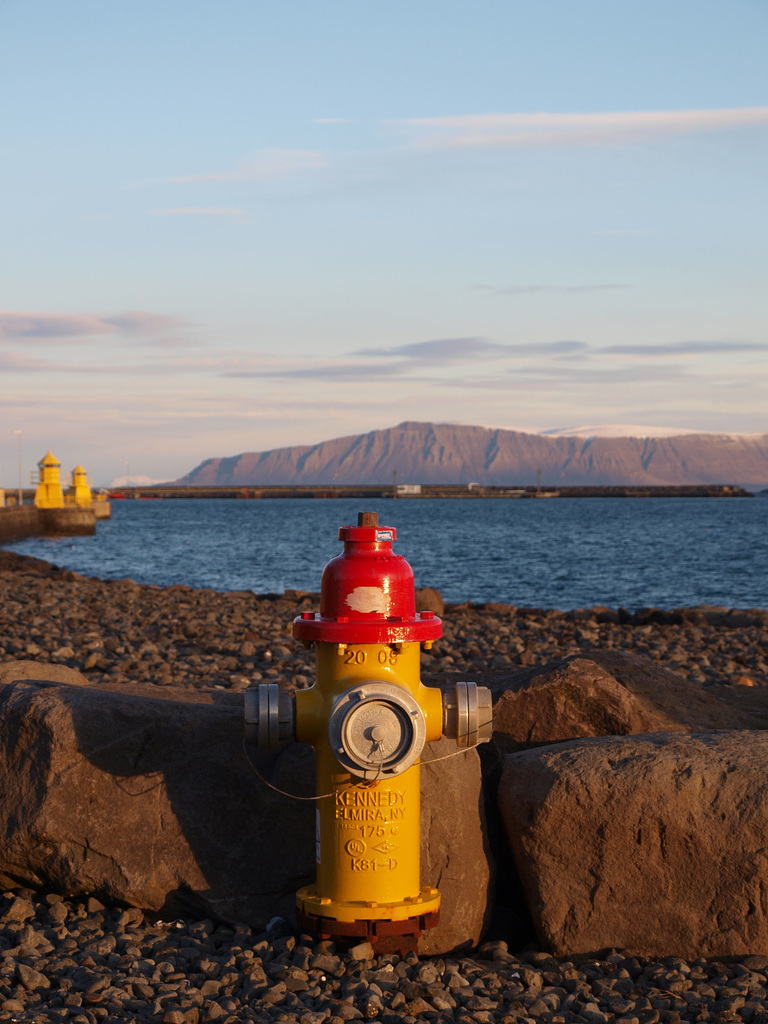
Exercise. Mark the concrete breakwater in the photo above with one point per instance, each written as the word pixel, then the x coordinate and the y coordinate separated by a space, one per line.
pixel 409 492
pixel 30 521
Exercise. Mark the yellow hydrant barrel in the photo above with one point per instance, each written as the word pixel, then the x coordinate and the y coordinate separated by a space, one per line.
pixel 368 717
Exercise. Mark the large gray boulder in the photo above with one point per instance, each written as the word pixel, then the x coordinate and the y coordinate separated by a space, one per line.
pixel 567 700
pixel 146 801
pixel 455 848
pixel 153 802
pixel 654 843
pixel 682 703
pixel 606 693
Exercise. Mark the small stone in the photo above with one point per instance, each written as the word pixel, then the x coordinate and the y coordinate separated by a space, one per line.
pixel 57 913
pixel 427 973
pixel 743 681
pixel 326 963
pixel 347 1012
pixel 531 979
pixel 131 916
pixel 362 951
pixel 489 950
pixel 419 1005
pixel 102 946
pixel 31 979
pixel 484 1003
pixel 275 993
pixel 19 911
pixel 372 1006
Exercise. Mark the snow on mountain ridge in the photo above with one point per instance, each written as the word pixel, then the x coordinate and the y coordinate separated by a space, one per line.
pixel 608 430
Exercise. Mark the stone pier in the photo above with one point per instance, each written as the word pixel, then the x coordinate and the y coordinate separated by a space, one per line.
pixel 21 523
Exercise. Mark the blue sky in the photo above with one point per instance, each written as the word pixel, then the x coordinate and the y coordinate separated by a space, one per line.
pixel 239 225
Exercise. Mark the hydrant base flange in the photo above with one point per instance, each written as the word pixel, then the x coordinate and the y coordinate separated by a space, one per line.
pixel 358 912
pixel 374 930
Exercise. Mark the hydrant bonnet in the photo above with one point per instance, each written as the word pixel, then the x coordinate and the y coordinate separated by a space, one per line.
pixel 367 594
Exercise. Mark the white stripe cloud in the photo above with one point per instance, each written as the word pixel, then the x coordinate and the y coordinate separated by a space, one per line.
pixel 265 165
pixel 524 289
pixel 487 131
pixel 200 211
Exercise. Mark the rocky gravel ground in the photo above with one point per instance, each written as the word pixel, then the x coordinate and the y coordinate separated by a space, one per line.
pixel 117 631
pixel 84 963
pixel 89 964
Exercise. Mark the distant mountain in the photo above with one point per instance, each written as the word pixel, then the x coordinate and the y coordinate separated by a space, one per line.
pixel 442 453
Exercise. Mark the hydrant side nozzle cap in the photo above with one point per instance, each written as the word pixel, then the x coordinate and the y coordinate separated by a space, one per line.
pixel 468 714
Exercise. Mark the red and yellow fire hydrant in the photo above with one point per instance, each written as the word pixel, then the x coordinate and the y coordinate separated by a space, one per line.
pixel 368 717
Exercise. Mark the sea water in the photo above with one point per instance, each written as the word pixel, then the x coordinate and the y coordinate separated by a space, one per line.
pixel 558 553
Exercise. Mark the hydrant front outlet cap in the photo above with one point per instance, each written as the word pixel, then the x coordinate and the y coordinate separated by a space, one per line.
pixel 377 730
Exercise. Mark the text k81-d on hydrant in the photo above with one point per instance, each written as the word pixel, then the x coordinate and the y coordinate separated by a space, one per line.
pixel 368 717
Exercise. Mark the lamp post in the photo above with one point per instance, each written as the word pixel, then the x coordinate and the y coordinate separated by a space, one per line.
pixel 127 474
pixel 21 497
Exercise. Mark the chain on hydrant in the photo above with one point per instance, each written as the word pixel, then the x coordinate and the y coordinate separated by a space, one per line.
pixel 368 717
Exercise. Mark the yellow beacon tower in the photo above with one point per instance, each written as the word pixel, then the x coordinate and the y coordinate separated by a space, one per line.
pixel 49 493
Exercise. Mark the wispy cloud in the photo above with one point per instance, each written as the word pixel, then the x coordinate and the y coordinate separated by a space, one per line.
pixel 332 371
pixel 438 366
pixel 139 322
pixel 684 348
pixel 546 377
pixel 64 327
pixel 420 361
pixel 51 325
pixel 17 362
pixel 449 350
pixel 200 211
pixel 525 289
pixel 265 165
pixel 487 131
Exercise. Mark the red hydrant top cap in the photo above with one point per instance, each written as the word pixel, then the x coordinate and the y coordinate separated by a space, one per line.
pixel 368 534
pixel 367 593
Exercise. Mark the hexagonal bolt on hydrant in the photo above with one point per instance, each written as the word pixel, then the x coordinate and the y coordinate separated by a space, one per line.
pixel 368 717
